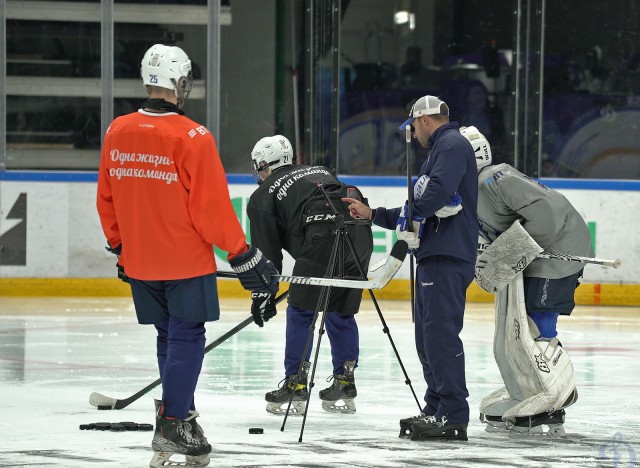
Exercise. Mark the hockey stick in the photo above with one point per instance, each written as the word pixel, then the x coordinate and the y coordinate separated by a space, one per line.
pixel 387 271
pixel 103 402
pixel 569 258
pixel 575 258
pixel 412 286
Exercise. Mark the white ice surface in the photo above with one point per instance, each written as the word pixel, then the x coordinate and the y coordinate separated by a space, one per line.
pixel 55 351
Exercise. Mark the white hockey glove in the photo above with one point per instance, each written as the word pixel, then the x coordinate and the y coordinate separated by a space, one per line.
pixel 453 207
pixel 509 254
pixel 412 238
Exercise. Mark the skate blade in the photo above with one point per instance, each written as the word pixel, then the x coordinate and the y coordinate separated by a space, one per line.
pixel 348 406
pixel 553 430
pixel 279 409
pixel 450 434
pixel 494 427
pixel 162 459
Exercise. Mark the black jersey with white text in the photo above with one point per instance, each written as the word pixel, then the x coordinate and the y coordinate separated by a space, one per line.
pixel 288 212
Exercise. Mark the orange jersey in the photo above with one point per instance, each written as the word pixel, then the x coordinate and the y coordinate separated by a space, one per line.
pixel 163 195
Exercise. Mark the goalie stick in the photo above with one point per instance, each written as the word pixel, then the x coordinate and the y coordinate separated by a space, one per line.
pixel 388 269
pixel 568 258
pixel 103 402
pixel 575 258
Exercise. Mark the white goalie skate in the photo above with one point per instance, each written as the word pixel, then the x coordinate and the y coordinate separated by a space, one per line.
pixel 338 398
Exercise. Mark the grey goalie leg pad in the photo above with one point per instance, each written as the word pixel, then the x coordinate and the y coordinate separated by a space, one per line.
pixel 543 369
pixel 494 405
pixel 538 375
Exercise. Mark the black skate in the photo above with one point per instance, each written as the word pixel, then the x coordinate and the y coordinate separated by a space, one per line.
pixel 405 424
pixel 526 426
pixel 198 433
pixel 278 400
pixel 438 429
pixel 343 388
pixel 176 436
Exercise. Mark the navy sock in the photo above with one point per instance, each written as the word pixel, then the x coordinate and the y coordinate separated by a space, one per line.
pixel 546 323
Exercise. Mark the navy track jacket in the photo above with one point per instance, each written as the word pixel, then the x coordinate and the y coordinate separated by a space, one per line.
pixel 451 167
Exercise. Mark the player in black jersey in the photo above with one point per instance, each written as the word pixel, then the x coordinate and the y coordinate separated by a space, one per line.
pixel 289 212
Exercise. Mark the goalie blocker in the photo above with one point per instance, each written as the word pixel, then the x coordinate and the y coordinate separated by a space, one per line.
pixel 505 257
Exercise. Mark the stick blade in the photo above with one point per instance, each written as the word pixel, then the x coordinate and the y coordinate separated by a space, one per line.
pixel 397 254
pixel 392 265
pixel 102 402
pixel 399 250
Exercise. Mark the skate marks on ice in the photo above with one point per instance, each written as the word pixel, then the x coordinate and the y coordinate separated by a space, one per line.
pixel 46 457
pixel 575 450
pixel 481 451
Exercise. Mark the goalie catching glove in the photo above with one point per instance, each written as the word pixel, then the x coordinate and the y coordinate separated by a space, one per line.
pixel 255 271
pixel 508 255
pixel 263 307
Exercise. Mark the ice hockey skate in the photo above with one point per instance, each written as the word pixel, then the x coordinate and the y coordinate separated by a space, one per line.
pixel 278 400
pixel 343 388
pixel 405 424
pixel 544 424
pixel 493 423
pixel 431 428
pixel 178 437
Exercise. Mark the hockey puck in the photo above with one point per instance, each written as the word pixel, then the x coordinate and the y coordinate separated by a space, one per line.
pixel 145 427
pixel 130 426
pixel 105 407
pixel 117 427
pixel 256 430
pixel 102 426
pixel 87 427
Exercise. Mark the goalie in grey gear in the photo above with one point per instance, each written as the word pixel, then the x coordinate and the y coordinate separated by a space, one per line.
pixel 535 393
pixel 289 212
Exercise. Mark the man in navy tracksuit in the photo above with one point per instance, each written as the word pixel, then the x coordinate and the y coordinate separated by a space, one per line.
pixel 446 255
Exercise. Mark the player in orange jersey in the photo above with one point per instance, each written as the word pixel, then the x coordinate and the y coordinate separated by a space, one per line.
pixel 164 203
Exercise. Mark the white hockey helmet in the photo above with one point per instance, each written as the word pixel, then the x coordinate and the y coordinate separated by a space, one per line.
pixel 168 67
pixel 271 153
pixel 480 145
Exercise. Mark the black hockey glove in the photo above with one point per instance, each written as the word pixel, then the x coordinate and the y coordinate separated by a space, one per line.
pixel 255 271
pixel 117 251
pixel 121 274
pixel 263 307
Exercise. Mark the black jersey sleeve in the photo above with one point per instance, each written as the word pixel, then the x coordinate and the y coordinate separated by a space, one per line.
pixel 266 234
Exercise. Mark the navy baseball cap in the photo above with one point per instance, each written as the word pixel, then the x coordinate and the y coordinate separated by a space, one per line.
pixel 426 105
